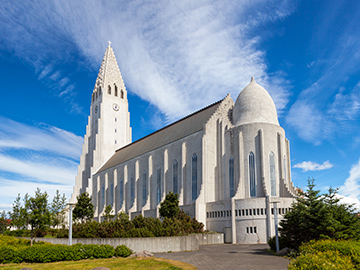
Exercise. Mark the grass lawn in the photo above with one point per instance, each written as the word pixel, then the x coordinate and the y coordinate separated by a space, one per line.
pixel 113 264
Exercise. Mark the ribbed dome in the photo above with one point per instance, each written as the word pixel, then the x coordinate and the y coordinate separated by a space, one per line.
pixel 254 105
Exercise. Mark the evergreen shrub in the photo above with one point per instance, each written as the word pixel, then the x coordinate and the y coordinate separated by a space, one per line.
pixel 123 251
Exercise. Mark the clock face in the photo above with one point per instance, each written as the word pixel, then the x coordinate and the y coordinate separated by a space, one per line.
pixel 116 107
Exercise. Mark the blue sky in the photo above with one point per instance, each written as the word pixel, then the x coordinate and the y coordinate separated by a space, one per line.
pixel 177 57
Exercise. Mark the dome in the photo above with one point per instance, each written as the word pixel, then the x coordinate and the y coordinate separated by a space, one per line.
pixel 254 105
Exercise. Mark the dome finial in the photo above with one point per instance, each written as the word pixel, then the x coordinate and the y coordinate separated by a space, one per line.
pixel 252 80
pixel 109 42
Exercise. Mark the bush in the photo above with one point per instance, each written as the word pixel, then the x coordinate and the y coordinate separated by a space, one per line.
pixel 328 254
pixel 123 251
pixel 345 248
pixel 328 260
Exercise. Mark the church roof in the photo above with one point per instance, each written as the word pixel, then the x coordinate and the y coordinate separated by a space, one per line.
pixel 173 132
pixel 254 105
pixel 109 70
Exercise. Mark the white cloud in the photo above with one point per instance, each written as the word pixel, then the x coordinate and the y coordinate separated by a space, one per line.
pixel 178 55
pixel 39 138
pixel 9 189
pixel 45 169
pixel 37 156
pixel 350 190
pixel 313 166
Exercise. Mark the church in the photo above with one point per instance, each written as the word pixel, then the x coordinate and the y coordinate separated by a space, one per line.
pixel 229 162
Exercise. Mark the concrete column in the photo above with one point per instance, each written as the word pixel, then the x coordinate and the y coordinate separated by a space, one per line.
pixel 106 191
pixel 125 181
pixel 165 174
pixel 240 192
pixel 183 174
pixel 268 217
pixel 115 195
pixel 233 221
pixel 262 163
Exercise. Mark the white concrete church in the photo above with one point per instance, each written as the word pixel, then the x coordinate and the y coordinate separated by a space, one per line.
pixel 229 162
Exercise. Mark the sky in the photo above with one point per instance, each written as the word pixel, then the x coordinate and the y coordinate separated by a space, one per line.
pixel 177 57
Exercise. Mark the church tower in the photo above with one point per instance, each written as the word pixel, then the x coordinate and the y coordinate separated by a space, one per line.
pixel 108 126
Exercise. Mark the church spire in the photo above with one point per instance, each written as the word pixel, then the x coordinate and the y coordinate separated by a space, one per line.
pixel 109 73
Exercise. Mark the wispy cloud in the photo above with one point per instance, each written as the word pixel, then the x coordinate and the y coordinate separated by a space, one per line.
pixel 9 189
pixel 36 156
pixel 350 191
pixel 179 56
pixel 15 135
pixel 329 106
pixel 313 166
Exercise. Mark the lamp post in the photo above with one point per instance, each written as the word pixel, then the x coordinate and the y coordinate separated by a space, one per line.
pixel 70 204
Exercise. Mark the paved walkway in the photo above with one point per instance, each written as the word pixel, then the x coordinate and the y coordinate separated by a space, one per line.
pixel 238 256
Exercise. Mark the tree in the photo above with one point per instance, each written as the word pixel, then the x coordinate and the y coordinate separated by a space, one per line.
pixel 18 215
pixel 108 213
pixel 170 206
pixel 38 212
pixel 4 222
pixel 57 209
pixel 315 216
pixel 84 209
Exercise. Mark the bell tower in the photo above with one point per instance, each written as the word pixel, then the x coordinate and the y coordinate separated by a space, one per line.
pixel 108 126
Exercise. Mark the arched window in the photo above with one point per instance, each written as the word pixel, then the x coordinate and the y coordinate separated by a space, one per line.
pixel 252 174
pixel 132 189
pixel 285 176
pixel 175 176
pixel 96 94
pixel 122 94
pixel 121 197
pixel 144 187
pixel 116 90
pixel 272 174
pixel 109 89
pixel 231 177
pixel 158 185
pixel 112 194
pixel 194 176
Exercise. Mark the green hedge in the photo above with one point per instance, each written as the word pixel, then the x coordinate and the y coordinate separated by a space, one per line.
pixel 53 253
pixel 328 254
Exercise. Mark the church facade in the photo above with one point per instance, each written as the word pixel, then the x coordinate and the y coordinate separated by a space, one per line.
pixel 229 162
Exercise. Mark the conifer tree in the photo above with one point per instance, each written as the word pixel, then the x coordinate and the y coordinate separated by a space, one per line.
pixel 316 216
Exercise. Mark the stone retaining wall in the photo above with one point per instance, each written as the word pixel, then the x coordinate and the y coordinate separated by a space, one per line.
pixel 152 244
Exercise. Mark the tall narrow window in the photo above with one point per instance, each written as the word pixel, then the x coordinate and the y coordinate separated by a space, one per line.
pixel 231 177
pixel 109 89
pixel 115 90
pixel 121 197
pixel 175 177
pixel 132 189
pixel 103 195
pixel 122 94
pixel 158 185
pixel 112 194
pixel 99 90
pixel 285 176
pixel 252 174
pixel 144 187
pixel 194 177
pixel 272 174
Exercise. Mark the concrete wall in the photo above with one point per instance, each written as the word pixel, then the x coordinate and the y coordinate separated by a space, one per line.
pixel 152 244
